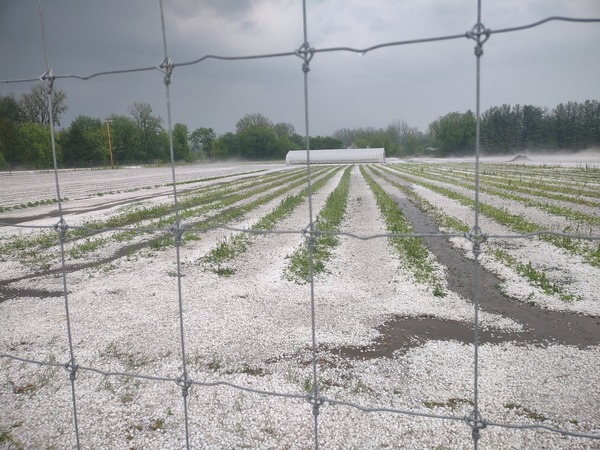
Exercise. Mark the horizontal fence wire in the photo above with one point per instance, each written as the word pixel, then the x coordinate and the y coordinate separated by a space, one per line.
pixel 364 50
pixel 178 229
pixel 302 231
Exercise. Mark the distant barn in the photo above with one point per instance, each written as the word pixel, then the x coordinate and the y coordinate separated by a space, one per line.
pixel 337 156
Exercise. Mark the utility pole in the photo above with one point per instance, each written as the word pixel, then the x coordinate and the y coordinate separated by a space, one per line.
pixel 109 143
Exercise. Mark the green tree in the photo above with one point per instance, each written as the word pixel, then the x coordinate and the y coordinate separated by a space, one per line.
pixel 534 127
pixel 403 140
pixel 10 108
pixel 150 143
pixel 253 120
pixel 10 142
pixel 590 123
pixel 84 141
pixel 201 141
pixel 125 137
pixel 181 146
pixel 454 133
pixel 284 130
pixel 226 146
pixel 36 145
pixel 257 143
pixel 256 137
pixel 35 105
pixel 324 142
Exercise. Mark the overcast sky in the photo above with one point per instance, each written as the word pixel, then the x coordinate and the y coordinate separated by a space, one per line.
pixel 553 63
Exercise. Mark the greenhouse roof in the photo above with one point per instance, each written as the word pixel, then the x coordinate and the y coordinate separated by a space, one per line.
pixel 337 156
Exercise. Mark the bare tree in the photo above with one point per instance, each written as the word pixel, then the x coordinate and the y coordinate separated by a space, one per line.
pixel 35 105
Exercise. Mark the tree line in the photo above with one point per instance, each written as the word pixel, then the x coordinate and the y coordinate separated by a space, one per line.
pixel 570 126
pixel 140 136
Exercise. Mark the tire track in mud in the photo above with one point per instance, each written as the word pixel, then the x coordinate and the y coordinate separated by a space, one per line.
pixel 541 327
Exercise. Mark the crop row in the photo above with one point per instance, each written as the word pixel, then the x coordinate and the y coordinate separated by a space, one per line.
pixel 225 251
pixel 225 199
pixel 535 276
pixel 566 207
pixel 514 222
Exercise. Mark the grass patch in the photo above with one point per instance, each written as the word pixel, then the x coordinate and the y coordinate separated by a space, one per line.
pixel 33 204
pixel 452 403
pixel 524 411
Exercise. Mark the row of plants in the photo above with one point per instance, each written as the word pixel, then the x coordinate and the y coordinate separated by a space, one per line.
pixel 589 251
pixel 442 220
pixel 328 220
pixel 202 196
pixel 228 210
pixel 568 187
pixel 417 259
pixel 506 192
pixel 229 248
pixel 535 277
pixel 30 248
pixel 32 204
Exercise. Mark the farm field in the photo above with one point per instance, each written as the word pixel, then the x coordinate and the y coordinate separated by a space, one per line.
pixel 394 316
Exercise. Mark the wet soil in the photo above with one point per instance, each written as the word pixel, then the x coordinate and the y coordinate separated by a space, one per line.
pixel 541 327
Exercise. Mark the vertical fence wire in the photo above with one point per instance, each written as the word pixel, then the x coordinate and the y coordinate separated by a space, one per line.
pixel 475 420
pixel 166 67
pixel 61 226
pixel 306 53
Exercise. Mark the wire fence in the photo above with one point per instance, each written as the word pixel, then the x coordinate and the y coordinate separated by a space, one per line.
pixel 476 420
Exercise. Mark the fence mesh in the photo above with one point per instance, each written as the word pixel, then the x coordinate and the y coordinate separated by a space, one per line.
pixel 475 421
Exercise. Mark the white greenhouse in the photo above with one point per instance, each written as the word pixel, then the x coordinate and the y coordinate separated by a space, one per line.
pixel 337 156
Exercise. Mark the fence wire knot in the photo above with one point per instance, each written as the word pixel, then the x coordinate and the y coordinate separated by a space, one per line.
pixel 184 382
pixel 306 52
pixel 166 66
pixel 71 367
pixel 61 227
pixel 177 230
pixel 477 423
pixel 48 78
pixel 311 234
pixel 479 33
pixel 477 237
pixel 316 402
